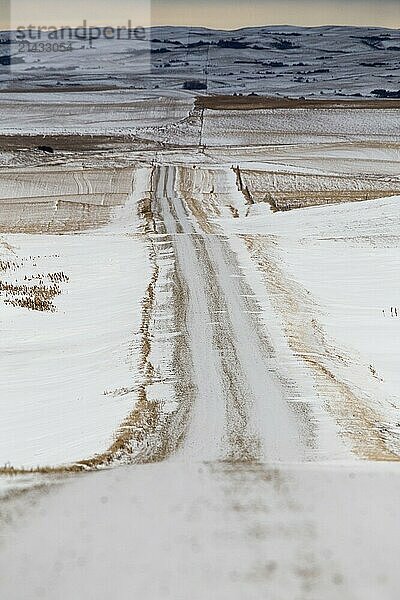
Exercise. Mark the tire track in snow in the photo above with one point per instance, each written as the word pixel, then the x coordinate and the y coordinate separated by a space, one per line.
pixel 239 413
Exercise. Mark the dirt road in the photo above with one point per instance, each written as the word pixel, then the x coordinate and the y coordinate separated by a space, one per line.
pixel 239 411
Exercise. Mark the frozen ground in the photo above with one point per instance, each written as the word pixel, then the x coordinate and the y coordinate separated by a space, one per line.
pixel 210 306
pixel 215 530
pixel 71 317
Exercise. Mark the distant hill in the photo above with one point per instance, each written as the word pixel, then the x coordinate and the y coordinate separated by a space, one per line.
pixel 329 61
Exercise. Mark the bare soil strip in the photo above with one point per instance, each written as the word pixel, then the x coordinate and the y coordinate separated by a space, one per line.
pixel 59 142
pixel 221 102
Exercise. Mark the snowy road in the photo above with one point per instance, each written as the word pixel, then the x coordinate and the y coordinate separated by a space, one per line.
pixel 248 418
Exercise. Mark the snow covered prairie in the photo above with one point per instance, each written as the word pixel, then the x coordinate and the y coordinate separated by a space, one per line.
pixel 71 317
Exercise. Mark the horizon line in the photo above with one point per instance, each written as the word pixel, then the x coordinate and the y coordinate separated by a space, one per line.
pixel 148 27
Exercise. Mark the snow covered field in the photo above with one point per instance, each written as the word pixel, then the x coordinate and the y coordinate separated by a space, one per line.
pixel 66 383
pixel 208 302
pixel 71 317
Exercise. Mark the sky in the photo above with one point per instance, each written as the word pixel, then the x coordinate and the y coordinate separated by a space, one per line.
pixel 224 14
